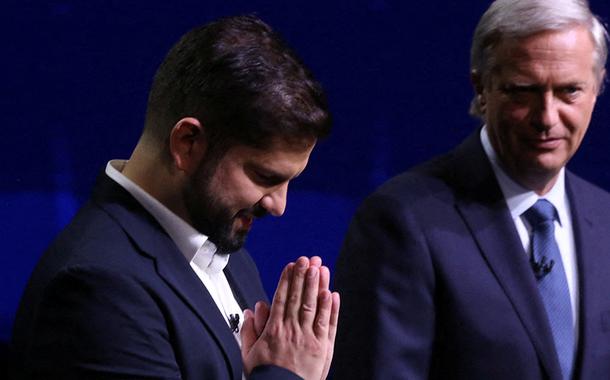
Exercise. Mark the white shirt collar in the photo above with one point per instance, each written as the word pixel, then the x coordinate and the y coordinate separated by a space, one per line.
pixel 195 246
pixel 518 198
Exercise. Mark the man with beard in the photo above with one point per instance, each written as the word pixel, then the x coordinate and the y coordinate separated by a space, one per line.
pixel 150 280
pixel 493 260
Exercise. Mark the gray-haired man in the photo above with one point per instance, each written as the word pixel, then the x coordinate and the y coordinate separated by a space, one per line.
pixel 492 262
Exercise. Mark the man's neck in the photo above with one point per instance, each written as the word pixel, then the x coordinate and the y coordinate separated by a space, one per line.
pixel 157 179
pixel 540 183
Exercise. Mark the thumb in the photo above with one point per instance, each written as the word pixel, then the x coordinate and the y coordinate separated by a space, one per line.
pixel 247 333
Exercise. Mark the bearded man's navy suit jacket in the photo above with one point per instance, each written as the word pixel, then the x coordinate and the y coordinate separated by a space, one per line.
pixel 114 298
pixel 435 284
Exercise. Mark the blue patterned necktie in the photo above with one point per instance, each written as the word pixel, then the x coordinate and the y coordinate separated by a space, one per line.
pixel 552 283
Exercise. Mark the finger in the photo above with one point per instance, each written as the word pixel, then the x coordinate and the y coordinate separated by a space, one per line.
pixel 334 317
pixel 324 278
pixel 315 261
pixel 247 333
pixel 261 315
pixel 310 297
pixel 332 332
pixel 322 320
pixel 295 292
pixel 280 298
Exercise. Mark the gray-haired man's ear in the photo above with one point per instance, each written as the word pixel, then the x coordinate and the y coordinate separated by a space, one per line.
pixel 479 87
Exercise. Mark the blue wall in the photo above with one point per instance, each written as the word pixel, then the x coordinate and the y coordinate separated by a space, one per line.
pixel 76 75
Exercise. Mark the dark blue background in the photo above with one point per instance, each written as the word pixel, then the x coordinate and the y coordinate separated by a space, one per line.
pixel 75 76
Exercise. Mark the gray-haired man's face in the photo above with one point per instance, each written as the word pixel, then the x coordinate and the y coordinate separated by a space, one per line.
pixel 538 102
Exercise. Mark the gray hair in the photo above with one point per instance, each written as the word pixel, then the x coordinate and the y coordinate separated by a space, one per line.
pixel 521 18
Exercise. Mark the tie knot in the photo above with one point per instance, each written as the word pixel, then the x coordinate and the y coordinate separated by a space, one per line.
pixel 542 211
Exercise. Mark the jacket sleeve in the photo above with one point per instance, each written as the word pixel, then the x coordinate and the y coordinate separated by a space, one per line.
pixel 386 280
pixel 271 372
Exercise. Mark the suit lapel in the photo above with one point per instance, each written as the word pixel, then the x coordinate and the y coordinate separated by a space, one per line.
pixel 171 265
pixel 484 211
pixel 174 269
pixel 245 280
pixel 591 240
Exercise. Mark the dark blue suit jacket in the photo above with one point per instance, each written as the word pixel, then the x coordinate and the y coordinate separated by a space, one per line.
pixel 434 282
pixel 113 298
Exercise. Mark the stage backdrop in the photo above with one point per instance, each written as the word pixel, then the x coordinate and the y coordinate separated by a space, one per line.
pixel 75 77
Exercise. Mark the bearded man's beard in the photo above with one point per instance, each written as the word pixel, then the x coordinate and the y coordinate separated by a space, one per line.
pixel 209 216
pixel 213 218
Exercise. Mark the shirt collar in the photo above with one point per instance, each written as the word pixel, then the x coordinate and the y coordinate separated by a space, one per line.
pixel 518 198
pixel 195 246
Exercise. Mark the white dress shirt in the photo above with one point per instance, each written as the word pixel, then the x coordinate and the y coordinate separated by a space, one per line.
pixel 519 199
pixel 198 250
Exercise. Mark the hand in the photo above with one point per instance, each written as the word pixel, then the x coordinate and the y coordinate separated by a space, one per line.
pixel 298 331
pixel 261 311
